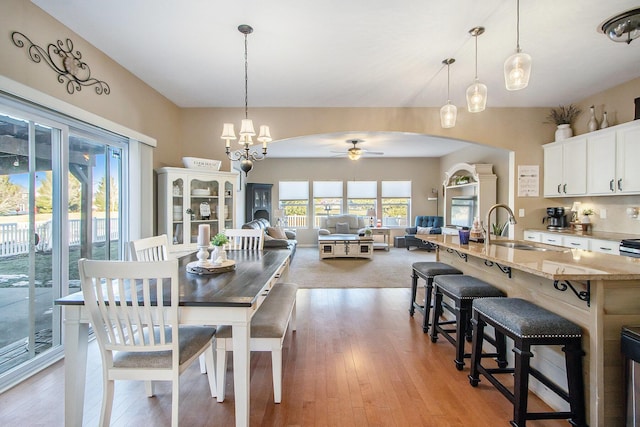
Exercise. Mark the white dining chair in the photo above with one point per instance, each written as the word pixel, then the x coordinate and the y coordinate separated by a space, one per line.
pixel 244 239
pixel 150 248
pixel 141 340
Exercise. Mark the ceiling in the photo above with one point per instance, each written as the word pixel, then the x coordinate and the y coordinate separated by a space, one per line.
pixel 356 53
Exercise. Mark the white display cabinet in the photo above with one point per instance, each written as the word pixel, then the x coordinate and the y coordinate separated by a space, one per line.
pixel 190 197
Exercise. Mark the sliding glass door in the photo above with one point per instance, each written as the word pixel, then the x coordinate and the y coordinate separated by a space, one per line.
pixel 61 199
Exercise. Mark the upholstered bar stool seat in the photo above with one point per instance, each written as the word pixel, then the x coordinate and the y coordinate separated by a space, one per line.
pixel 528 325
pixel 462 290
pixel 427 271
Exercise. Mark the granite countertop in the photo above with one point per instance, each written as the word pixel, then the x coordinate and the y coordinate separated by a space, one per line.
pixel 602 235
pixel 557 263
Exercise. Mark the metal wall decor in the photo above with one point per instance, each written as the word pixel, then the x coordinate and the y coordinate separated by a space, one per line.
pixel 61 58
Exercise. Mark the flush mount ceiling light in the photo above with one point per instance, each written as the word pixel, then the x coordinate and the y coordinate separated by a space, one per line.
pixel 244 155
pixel 477 92
pixel 624 27
pixel 449 111
pixel 517 67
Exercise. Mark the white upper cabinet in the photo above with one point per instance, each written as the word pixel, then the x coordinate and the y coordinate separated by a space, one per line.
pixel 599 163
pixel 565 168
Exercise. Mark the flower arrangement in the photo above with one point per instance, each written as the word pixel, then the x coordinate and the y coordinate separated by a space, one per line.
pixel 588 212
pixel 219 239
pixel 563 115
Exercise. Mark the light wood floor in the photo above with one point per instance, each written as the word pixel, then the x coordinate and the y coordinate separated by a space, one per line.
pixel 357 359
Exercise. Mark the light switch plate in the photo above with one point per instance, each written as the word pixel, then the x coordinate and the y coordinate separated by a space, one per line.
pixel 521 213
pixel 603 213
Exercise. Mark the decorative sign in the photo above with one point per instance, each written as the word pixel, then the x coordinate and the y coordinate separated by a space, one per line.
pixel 528 180
pixel 64 61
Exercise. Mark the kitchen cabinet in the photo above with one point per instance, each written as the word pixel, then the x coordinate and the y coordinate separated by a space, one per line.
pixel 576 242
pixel 565 168
pixel 190 197
pixel 605 246
pixel 258 201
pixel 612 160
pixel 533 236
pixel 573 241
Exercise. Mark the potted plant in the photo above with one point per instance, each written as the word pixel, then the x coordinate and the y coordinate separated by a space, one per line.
pixel 218 241
pixel 563 117
pixel 585 215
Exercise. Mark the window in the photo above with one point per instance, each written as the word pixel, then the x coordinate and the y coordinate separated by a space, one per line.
pixel 361 199
pixel 327 199
pixel 294 202
pixel 396 203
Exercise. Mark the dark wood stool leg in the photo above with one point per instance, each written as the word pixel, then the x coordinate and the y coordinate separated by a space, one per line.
pixel 462 308
pixel 575 385
pixel 414 291
pixel 428 290
pixel 521 382
pixel 437 309
pixel 476 348
pixel 501 349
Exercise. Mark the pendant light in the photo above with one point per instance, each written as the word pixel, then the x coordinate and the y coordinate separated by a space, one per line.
pixel 517 67
pixel 477 92
pixel 448 112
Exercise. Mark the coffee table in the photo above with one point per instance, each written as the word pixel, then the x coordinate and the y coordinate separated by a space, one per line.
pixel 345 246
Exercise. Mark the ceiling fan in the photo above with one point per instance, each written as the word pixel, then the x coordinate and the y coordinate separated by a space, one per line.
pixel 355 152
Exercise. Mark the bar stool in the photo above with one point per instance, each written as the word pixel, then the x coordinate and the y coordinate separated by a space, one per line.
pixel 427 271
pixel 463 290
pixel 528 324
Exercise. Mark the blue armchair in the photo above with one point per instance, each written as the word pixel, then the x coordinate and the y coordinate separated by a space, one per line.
pixel 434 223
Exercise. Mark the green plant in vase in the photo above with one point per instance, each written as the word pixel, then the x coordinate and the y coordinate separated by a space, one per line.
pixel 497 228
pixel 219 240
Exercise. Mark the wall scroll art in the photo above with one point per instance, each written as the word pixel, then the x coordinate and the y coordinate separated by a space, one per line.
pixel 61 58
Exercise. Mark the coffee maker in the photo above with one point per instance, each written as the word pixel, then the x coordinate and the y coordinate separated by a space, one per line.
pixel 556 219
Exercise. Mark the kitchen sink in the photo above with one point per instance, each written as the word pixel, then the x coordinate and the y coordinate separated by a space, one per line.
pixel 525 246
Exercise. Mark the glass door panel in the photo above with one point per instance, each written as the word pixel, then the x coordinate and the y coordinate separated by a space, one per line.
pixel 179 211
pixel 204 203
pixel 228 205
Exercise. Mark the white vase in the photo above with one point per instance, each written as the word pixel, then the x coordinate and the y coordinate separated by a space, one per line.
pixel 593 123
pixel 563 132
pixel 605 121
pixel 585 219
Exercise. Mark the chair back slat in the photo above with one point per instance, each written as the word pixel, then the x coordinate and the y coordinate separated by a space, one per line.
pixel 244 239
pixel 127 303
pixel 150 248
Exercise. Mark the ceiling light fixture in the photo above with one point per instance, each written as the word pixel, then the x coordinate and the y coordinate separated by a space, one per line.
pixel 244 155
pixel 477 92
pixel 448 112
pixel 354 153
pixel 517 67
pixel 624 27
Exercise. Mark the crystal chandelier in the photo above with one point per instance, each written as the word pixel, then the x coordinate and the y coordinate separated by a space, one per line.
pixel 244 155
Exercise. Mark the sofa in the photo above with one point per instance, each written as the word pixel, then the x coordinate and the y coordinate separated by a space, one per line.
pixel 271 242
pixel 429 225
pixel 341 224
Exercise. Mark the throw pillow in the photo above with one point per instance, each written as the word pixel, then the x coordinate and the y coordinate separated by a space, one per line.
pixel 276 232
pixel 342 228
pixel 267 237
pixel 424 230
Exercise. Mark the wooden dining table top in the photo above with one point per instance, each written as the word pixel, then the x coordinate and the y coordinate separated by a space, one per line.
pixel 238 288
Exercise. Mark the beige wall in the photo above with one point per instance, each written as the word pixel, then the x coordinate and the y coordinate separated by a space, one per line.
pixel 195 132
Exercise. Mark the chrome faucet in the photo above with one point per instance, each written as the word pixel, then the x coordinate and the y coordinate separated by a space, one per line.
pixel 512 221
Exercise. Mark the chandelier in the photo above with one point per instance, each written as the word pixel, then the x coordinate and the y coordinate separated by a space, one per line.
pixel 247 132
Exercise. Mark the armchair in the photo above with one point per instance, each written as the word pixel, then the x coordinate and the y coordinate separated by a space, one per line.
pixel 432 223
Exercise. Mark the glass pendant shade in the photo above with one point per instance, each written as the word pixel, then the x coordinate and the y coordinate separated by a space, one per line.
pixel 247 127
pixel 476 97
pixel 517 70
pixel 448 114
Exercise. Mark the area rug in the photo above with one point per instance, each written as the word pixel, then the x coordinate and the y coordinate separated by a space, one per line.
pixel 390 269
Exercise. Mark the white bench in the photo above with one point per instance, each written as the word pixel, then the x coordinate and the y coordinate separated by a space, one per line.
pixel 268 328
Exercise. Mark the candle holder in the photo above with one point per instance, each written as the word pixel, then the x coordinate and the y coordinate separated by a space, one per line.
pixel 203 256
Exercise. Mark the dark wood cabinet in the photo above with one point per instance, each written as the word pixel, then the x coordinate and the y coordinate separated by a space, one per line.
pixel 258 201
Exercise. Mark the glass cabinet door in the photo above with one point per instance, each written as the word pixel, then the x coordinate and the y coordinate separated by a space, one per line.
pixel 203 202
pixel 178 212
pixel 228 204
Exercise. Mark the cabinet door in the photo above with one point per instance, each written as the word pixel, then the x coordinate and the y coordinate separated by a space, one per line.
pixel 227 214
pixel 576 242
pixel 574 167
pixel 552 239
pixel 533 236
pixel 203 199
pixel 601 163
pixel 553 171
pixel 605 246
pixel 628 153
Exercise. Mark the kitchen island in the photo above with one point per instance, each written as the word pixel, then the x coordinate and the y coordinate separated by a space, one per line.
pixel 599 292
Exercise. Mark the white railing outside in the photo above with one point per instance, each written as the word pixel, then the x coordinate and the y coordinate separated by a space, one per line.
pixel 296 221
pixel 14 237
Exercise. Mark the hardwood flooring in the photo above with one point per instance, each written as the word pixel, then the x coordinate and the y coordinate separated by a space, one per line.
pixel 357 359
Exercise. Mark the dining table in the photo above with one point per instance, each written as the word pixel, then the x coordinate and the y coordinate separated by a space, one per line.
pixel 227 298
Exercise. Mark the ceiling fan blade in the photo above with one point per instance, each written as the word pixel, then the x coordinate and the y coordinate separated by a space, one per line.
pixel 378 153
